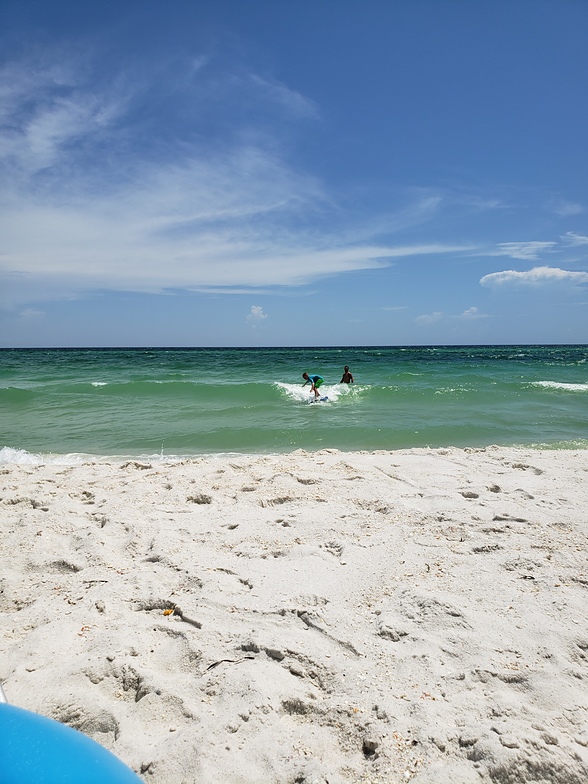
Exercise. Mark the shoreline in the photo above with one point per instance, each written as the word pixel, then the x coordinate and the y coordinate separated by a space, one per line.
pixel 14 456
pixel 412 615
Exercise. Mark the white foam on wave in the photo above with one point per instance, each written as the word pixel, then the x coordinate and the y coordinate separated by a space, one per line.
pixel 19 456
pixel 453 390
pixel 302 394
pixel 561 385
pixel 11 456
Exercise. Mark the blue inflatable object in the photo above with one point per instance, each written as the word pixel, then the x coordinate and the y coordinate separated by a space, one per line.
pixel 38 750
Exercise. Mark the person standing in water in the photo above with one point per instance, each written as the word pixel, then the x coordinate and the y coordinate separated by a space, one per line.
pixel 314 381
pixel 347 376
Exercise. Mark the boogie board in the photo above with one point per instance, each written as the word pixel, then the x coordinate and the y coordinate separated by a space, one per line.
pixel 38 750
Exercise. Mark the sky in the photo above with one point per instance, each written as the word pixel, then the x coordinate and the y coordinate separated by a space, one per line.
pixel 293 172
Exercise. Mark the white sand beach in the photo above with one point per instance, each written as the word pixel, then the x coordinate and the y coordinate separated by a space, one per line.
pixel 417 615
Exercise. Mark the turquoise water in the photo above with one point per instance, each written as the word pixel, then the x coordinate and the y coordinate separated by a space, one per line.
pixel 178 402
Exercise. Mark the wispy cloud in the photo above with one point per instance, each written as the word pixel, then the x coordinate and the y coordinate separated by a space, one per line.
pixel 102 192
pixel 46 113
pixel 31 313
pixel 537 276
pixel 528 251
pixel 567 209
pixel 91 202
pixel 573 239
pixel 470 314
pixel 293 101
pixel 430 318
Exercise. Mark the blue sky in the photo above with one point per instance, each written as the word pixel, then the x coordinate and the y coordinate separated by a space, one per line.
pixel 293 172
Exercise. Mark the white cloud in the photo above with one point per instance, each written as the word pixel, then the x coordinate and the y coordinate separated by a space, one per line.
pixel 573 239
pixel 467 315
pixel 566 209
pixel 57 253
pixel 43 111
pixel 220 222
pixel 31 313
pixel 535 276
pixel 472 313
pixel 527 251
pixel 245 290
pixel 430 318
pixel 256 315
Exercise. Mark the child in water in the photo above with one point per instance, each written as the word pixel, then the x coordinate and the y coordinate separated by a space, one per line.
pixel 315 382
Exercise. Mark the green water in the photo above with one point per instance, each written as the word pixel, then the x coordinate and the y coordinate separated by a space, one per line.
pixel 177 402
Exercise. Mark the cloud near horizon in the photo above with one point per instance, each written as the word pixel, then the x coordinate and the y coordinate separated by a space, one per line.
pixel 467 315
pixel 534 277
pixel 256 315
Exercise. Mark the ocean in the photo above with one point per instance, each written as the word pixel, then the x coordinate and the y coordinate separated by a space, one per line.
pixel 68 405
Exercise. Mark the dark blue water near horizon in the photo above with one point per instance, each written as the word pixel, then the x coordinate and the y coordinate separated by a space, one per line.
pixel 174 402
